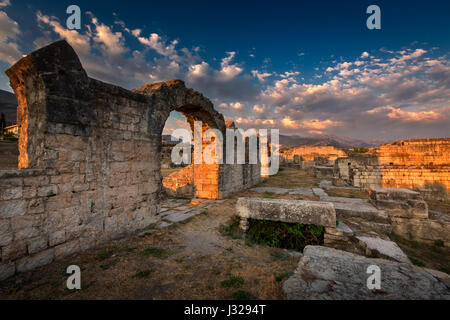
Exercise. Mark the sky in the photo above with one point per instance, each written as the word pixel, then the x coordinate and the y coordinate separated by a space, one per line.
pixel 303 67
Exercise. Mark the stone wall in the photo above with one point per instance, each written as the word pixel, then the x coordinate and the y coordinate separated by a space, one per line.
pixel 308 153
pixel 89 158
pixel 402 177
pixel 416 152
pixel 417 164
pixel 180 183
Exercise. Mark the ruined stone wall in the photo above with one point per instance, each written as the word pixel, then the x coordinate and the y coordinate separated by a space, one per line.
pixel 417 152
pixel 402 177
pixel 180 183
pixel 235 176
pixel 90 171
pixel 308 153
pixel 419 163
pixel 90 158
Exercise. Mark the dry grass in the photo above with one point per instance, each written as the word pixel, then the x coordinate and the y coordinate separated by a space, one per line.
pixel 9 154
pixel 424 255
pixel 288 177
pixel 439 205
pixel 174 268
pixel 348 193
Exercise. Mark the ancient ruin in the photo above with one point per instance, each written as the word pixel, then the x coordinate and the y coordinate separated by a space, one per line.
pixel 418 164
pixel 90 159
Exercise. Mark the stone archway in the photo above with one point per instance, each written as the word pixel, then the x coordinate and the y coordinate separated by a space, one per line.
pixel 174 96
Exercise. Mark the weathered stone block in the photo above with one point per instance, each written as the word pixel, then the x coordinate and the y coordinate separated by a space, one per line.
pixel 7 270
pixel 12 208
pixel 294 211
pixel 393 194
pixel 36 260
pixel 57 237
pixel 37 244
pixel 66 249
pixel 10 193
pixel 14 250
pixel 326 273
pixel 403 208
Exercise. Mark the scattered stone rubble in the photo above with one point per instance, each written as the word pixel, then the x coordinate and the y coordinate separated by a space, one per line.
pixel 359 238
pixel 327 273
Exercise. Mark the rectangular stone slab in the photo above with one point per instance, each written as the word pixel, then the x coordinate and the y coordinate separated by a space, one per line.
pixel 393 194
pixel 293 211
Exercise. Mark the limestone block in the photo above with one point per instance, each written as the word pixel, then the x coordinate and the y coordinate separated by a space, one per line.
pixel 12 208
pixel 403 208
pixel 37 244
pixel 14 250
pixel 57 237
pixel 393 194
pixel 66 249
pixel 7 270
pixel 326 273
pixel 36 260
pixel 293 211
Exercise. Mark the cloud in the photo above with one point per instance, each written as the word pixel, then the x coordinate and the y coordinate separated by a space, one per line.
pixel 9 32
pixel 155 42
pixel 4 3
pixel 113 41
pixel 365 54
pixel 387 94
pixel 236 105
pixel 319 124
pixel 397 113
pixel 199 70
pixel 344 103
pixel 289 123
pixel 259 108
pixel 229 71
pixel 261 76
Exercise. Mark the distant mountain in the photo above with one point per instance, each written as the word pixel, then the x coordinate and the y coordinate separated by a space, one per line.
pixel 326 140
pixel 8 105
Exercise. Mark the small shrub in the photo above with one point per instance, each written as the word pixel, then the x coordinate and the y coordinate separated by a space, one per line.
pixel 439 243
pixel 233 282
pixel 284 235
pixel 417 262
pixel 142 274
pixel 357 150
pixel 282 276
pixel 241 295
pixel 155 252
pixel 232 229
pixel 103 255
pixel 8 136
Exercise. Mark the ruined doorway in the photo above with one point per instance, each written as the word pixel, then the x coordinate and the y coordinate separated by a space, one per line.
pixel 177 179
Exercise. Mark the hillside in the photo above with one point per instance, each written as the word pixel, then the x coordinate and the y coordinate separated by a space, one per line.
pixel 324 140
pixel 8 105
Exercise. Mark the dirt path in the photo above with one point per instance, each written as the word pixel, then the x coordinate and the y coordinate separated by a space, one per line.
pixel 190 260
